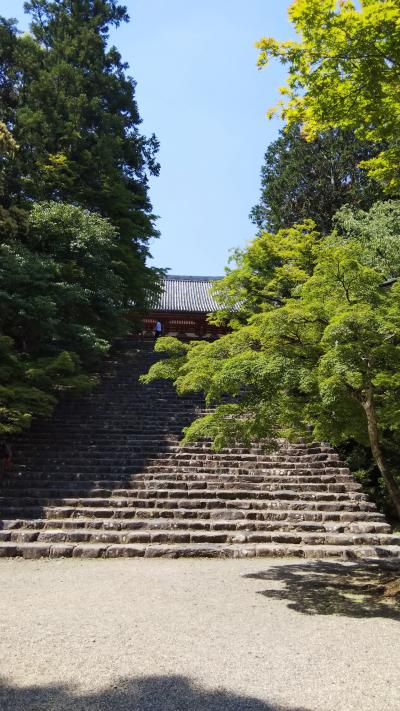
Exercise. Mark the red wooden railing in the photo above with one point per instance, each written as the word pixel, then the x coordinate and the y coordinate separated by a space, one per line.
pixel 180 325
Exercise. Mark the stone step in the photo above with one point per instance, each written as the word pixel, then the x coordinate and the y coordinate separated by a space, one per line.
pixel 190 536
pixel 165 456
pixel 97 440
pixel 183 454
pixel 196 524
pixel 231 512
pixel 191 488
pixel 210 467
pixel 190 450
pixel 237 525
pixel 211 550
pixel 284 477
pixel 110 429
pixel 170 462
pixel 184 474
pixel 209 499
pixel 142 466
pixel 16 484
pixel 129 452
pixel 186 479
pixel 194 490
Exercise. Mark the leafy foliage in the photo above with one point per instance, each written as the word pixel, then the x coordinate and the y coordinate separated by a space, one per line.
pixel 87 290
pixel 60 303
pixel 28 386
pixel 377 230
pixel 343 72
pixel 321 362
pixel 266 272
pixel 71 108
pixel 75 216
pixel 312 179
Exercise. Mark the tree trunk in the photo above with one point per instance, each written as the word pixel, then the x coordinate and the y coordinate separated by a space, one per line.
pixel 391 483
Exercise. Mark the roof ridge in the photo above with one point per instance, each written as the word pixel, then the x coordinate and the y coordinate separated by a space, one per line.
pixel 183 277
pixel 189 294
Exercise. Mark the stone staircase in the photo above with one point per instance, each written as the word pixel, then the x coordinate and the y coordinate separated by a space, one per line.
pixel 106 477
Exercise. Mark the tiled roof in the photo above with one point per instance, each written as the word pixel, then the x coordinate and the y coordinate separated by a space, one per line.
pixel 187 293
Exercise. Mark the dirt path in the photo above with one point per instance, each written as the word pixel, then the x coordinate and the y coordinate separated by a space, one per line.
pixel 166 635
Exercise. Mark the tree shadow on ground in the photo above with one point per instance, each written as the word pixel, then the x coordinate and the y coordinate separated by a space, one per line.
pixel 358 590
pixel 153 693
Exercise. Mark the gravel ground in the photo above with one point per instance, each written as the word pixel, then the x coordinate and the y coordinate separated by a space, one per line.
pixel 171 635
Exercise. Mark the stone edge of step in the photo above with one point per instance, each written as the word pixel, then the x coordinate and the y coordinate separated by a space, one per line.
pixel 39 550
pixel 171 537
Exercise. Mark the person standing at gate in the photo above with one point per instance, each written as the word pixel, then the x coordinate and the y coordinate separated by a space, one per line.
pixel 157 330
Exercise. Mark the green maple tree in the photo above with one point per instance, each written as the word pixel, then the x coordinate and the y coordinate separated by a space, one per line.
pixel 343 72
pixel 320 359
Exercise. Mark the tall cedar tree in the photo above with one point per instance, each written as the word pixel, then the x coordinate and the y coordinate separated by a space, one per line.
pixel 303 180
pixel 12 217
pixel 69 133
pixel 71 107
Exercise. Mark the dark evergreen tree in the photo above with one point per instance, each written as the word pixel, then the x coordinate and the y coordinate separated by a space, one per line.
pixel 79 110
pixel 8 69
pixel 71 107
pixel 75 215
pixel 12 216
pixel 311 180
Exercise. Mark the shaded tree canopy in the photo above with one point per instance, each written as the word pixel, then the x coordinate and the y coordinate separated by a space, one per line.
pixel 312 179
pixel 75 215
pixel 70 105
pixel 61 303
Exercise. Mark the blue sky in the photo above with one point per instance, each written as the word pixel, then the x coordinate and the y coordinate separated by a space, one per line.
pixel 200 92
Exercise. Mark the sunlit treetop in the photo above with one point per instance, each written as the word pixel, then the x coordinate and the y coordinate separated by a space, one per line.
pixel 343 71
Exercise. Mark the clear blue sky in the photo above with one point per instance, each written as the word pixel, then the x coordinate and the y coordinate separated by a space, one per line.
pixel 200 92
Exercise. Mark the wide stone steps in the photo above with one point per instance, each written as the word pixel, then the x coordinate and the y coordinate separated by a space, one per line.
pixel 107 477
